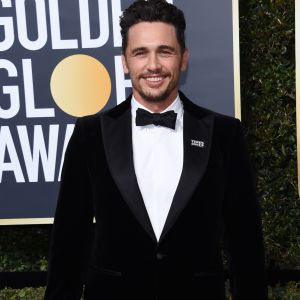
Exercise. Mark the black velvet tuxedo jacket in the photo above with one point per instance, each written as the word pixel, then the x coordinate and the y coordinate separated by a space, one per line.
pixel 214 206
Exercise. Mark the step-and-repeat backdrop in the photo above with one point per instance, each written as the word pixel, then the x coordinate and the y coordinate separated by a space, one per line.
pixel 60 59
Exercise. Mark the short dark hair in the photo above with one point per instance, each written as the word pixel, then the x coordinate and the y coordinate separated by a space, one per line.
pixel 153 11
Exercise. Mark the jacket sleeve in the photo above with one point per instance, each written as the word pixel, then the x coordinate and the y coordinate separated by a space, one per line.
pixel 242 226
pixel 72 229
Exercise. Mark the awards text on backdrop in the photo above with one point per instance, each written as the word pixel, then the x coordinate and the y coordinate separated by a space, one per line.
pixel 37 152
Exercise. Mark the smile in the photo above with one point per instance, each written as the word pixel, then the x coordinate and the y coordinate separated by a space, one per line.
pixel 154 79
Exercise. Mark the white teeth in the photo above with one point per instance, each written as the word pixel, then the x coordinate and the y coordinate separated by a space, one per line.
pixel 153 79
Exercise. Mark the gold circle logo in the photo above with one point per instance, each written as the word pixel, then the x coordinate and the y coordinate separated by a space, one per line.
pixel 80 85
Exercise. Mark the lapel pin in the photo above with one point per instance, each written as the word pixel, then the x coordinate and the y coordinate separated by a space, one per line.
pixel 196 143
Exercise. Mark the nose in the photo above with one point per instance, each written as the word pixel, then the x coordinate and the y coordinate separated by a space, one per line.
pixel 153 63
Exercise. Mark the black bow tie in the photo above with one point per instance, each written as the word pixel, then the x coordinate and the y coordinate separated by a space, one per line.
pixel 166 119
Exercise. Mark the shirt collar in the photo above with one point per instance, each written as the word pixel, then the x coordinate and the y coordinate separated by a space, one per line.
pixel 176 105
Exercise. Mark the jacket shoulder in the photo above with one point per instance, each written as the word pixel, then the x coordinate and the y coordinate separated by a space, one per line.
pixel 226 129
pixel 224 123
pixel 90 125
pixel 221 121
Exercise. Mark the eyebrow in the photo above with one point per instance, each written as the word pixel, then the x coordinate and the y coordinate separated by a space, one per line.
pixel 138 49
pixel 166 47
pixel 161 47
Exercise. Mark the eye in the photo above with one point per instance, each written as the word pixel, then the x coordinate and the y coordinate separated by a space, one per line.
pixel 166 53
pixel 140 53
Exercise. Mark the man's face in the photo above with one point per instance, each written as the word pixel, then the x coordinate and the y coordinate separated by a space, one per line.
pixel 153 59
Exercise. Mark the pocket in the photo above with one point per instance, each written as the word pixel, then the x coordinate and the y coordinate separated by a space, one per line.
pixel 104 283
pixel 209 285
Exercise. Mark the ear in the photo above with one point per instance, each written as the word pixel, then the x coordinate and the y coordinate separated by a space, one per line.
pixel 185 60
pixel 124 64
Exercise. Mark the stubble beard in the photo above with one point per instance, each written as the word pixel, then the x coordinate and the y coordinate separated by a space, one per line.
pixel 156 98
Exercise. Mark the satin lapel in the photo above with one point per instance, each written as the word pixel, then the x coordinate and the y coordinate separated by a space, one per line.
pixel 197 133
pixel 117 139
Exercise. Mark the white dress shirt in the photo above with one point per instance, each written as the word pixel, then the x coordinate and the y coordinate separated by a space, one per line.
pixel 158 161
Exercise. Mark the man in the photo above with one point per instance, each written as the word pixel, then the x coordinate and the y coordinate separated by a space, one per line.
pixel 167 183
